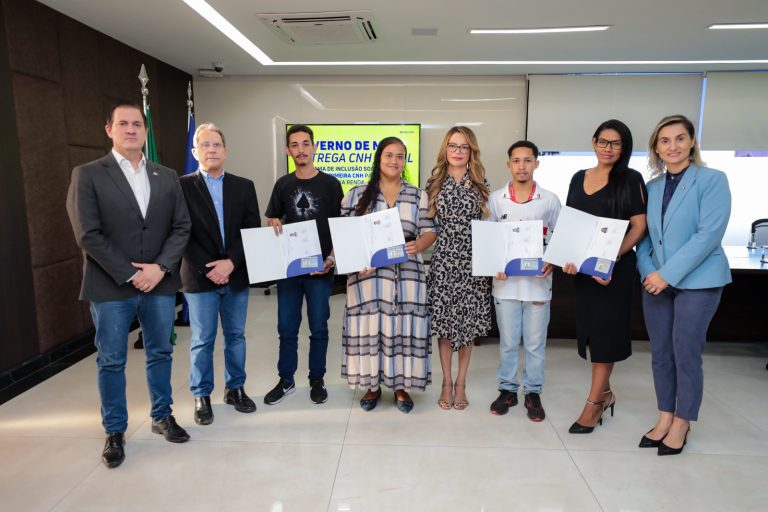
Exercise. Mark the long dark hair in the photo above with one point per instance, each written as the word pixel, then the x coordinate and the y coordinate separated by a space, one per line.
pixel 371 192
pixel 618 188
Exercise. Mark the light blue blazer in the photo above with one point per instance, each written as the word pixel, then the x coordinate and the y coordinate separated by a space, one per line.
pixel 686 249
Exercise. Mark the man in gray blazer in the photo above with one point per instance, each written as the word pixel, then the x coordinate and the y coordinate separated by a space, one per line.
pixel 130 219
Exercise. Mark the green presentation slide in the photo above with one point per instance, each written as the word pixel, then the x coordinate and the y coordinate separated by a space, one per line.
pixel 346 150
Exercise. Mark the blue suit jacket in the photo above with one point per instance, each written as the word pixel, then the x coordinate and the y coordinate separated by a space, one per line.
pixel 686 250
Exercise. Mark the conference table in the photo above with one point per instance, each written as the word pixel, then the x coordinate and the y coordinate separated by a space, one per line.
pixel 741 316
pixel 747 260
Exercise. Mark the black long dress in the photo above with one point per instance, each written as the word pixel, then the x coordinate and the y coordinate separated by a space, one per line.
pixel 603 313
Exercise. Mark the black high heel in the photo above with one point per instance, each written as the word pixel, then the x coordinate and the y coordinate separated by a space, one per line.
pixel 666 450
pixel 611 404
pixel 577 428
pixel 647 442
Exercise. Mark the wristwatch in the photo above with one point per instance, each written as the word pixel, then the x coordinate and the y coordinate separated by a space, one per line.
pixel 164 268
pixel 333 260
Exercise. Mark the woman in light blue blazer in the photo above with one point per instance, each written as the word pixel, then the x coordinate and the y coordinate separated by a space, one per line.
pixel 683 270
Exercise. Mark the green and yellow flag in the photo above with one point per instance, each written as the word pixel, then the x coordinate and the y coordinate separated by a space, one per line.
pixel 150 147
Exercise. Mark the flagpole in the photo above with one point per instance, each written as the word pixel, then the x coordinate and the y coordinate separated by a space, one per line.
pixel 144 78
pixel 190 103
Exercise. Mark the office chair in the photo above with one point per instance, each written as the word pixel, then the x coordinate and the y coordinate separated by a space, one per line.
pixel 759 234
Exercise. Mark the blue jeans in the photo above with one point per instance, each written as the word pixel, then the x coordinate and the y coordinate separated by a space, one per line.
pixel 290 298
pixel 528 320
pixel 204 311
pixel 677 321
pixel 112 320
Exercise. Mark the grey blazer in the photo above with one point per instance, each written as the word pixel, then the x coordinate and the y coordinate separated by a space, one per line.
pixel 110 230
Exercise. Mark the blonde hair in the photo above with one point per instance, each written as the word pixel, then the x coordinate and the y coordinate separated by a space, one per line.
pixel 475 170
pixel 212 127
pixel 655 163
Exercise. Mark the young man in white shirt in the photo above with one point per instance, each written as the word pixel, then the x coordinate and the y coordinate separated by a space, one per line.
pixel 522 302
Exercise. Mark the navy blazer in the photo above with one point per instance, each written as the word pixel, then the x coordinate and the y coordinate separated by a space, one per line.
pixel 686 248
pixel 241 211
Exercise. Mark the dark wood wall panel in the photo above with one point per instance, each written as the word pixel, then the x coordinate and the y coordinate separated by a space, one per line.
pixel 172 117
pixel 79 155
pixel 32 34
pixel 119 67
pixel 82 84
pixel 45 166
pixel 59 78
pixel 59 318
pixel 18 342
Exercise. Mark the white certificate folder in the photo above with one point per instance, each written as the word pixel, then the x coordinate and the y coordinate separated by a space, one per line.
pixel 516 248
pixel 369 241
pixel 591 243
pixel 270 257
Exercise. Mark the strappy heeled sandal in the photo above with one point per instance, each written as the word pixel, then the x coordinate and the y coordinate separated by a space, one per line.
pixel 444 404
pixel 460 405
pixel 578 428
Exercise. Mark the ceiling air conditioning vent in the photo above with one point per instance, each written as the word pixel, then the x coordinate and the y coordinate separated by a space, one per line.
pixel 322 27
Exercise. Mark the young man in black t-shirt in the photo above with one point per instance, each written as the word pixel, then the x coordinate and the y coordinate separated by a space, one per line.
pixel 304 195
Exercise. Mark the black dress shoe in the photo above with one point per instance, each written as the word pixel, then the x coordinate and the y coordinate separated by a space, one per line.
pixel 647 442
pixel 369 404
pixel 239 399
pixel 114 453
pixel 203 410
pixel 405 405
pixel 170 430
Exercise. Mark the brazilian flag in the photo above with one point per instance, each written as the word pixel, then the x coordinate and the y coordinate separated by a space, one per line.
pixel 150 147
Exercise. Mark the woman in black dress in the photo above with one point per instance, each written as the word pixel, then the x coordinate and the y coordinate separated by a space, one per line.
pixel 603 307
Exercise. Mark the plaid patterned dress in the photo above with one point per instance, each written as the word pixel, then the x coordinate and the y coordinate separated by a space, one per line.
pixel 386 326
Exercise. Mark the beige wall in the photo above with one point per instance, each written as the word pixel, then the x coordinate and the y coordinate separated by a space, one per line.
pixel 253 113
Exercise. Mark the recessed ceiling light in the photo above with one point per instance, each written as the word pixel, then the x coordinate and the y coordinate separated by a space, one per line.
pixel 472 100
pixel 217 20
pixel 518 62
pixel 213 17
pixel 550 30
pixel 737 26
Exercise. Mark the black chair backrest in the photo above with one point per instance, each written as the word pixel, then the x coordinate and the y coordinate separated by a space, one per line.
pixel 760 238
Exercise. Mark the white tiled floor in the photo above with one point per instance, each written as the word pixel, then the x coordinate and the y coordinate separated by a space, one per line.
pixel 297 456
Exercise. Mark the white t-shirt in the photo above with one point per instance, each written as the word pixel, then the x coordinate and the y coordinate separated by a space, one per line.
pixel 543 205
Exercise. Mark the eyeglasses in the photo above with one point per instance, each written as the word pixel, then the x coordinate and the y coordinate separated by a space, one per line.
pixel 208 145
pixel 453 148
pixel 603 143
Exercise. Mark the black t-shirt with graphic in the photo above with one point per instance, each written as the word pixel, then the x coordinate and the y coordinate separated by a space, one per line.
pixel 297 200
